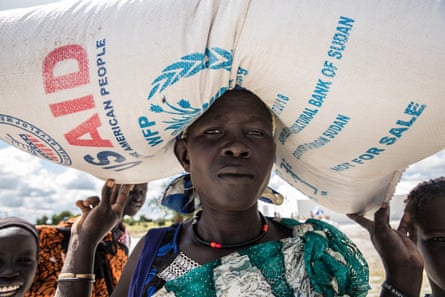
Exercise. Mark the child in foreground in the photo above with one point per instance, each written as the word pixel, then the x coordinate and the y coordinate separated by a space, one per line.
pixel 19 244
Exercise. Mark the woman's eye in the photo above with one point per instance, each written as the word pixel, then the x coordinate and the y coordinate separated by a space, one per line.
pixel 214 131
pixel 255 133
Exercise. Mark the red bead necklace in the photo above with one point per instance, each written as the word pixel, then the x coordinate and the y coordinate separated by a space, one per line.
pixel 217 245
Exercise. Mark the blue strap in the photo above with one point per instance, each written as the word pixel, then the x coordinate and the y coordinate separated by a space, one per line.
pixel 148 254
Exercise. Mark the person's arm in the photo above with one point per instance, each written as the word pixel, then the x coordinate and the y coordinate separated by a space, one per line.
pixel 402 261
pixel 98 218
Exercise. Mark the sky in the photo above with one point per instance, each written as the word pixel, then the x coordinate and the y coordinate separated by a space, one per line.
pixel 31 188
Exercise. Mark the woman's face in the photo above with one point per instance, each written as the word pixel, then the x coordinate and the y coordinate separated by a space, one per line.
pixel 431 239
pixel 18 261
pixel 229 152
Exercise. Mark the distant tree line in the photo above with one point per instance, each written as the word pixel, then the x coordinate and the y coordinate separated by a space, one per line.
pixel 66 214
pixel 55 219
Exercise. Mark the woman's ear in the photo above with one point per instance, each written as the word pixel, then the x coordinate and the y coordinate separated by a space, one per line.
pixel 181 153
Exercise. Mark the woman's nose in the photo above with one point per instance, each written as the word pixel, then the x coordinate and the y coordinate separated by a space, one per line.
pixel 236 148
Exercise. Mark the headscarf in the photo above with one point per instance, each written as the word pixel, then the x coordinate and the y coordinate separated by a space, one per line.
pixel 21 223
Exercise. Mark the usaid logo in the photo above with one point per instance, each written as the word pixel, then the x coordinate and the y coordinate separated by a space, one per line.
pixel 32 140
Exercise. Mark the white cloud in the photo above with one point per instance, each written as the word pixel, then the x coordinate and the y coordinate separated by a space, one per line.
pixel 30 188
pixel 428 168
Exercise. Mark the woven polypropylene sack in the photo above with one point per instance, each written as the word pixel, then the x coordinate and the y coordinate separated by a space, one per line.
pixel 106 86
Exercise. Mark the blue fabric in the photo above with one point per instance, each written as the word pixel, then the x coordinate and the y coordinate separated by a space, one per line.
pixel 148 254
pixel 181 201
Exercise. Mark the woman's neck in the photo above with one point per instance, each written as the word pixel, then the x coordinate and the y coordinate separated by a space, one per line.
pixel 229 227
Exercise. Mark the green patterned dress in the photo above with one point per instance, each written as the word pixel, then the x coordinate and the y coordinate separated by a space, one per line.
pixel 317 260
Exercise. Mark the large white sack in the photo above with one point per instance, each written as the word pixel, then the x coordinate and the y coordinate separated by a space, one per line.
pixel 105 86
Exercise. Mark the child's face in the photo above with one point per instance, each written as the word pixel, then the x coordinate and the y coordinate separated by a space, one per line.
pixel 18 261
pixel 431 239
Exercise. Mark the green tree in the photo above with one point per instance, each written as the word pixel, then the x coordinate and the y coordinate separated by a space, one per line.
pixel 42 221
pixel 129 221
pixel 143 219
pixel 64 215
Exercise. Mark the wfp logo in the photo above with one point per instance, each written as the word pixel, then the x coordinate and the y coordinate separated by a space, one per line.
pixel 178 113
pixel 213 59
pixel 27 137
pixel 182 113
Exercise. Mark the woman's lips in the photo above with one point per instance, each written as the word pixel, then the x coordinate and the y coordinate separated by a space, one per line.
pixel 235 172
pixel 9 290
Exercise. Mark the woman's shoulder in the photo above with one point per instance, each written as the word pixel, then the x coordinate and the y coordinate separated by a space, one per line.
pixel 315 230
pixel 301 227
pixel 324 246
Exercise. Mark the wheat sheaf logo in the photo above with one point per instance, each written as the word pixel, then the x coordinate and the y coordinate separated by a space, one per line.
pixel 183 112
pixel 214 58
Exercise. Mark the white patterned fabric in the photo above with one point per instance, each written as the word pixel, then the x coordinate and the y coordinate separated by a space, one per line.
pixel 241 275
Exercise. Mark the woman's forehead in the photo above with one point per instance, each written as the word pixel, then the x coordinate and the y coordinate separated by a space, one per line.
pixel 238 101
pixel 239 98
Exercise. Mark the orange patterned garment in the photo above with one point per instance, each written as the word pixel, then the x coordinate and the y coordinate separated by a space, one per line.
pixel 111 256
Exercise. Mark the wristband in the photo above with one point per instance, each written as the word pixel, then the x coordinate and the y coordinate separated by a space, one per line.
pixel 392 290
pixel 91 277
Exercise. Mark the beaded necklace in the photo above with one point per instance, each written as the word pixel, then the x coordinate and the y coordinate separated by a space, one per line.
pixel 217 245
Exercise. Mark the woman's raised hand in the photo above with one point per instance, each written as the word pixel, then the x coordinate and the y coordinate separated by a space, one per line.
pixel 99 216
pixel 399 254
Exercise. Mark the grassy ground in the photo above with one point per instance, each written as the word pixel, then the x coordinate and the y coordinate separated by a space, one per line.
pixel 139 229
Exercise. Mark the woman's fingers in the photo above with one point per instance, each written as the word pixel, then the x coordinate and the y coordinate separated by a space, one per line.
pixel 405 223
pixel 107 190
pixel 113 193
pixel 92 201
pixel 381 218
pixel 81 205
pixel 122 197
pixel 87 204
pixel 362 221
